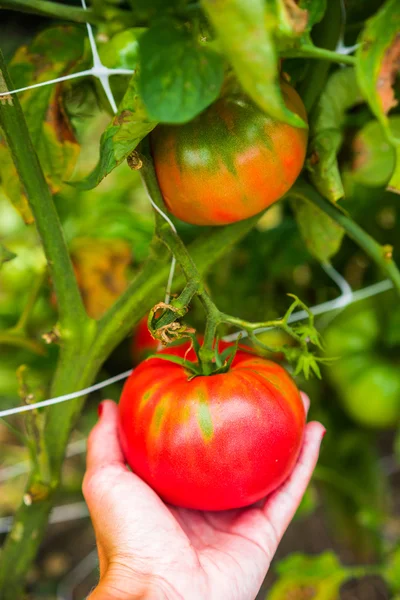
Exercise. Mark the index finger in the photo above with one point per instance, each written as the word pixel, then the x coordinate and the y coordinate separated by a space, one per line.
pixel 103 444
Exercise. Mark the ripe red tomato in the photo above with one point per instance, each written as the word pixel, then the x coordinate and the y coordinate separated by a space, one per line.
pixel 215 442
pixel 229 163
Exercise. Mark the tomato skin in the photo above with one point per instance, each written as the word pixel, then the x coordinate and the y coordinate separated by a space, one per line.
pixel 212 443
pixel 143 344
pixel 229 163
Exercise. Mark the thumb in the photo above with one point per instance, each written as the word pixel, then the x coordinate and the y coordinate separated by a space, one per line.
pixel 103 443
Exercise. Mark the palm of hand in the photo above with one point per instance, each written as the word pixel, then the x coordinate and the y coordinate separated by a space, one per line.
pixel 177 553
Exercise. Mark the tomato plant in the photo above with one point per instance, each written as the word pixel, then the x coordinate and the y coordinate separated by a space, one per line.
pixel 229 163
pixel 208 109
pixel 213 442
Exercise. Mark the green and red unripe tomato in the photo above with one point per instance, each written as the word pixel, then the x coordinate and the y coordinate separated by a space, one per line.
pixel 212 442
pixel 230 162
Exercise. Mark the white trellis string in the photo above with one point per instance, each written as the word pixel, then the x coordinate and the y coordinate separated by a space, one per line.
pixel 324 307
pixel 341 48
pixel 65 397
pixel 100 71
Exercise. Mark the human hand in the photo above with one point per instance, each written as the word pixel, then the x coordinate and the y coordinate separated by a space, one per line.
pixel 150 550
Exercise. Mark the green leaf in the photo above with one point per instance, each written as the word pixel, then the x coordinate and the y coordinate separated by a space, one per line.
pixel 318 577
pixel 122 50
pixel 245 33
pixel 340 93
pixel 129 126
pixel 180 76
pixel 377 66
pixel 322 235
pixel 51 54
pixel 374 158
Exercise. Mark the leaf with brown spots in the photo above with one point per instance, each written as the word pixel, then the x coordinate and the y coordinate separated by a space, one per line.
pixel 378 64
pixel 101 270
pixel 51 54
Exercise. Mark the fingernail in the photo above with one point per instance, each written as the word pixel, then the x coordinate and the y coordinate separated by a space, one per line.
pixel 100 409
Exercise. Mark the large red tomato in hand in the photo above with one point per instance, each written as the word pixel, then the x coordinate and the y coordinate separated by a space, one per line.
pixel 229 163
pixel 215 442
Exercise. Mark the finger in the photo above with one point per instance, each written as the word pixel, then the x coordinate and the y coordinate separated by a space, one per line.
pixel 306 401
pixel 281 506
pixel 103 447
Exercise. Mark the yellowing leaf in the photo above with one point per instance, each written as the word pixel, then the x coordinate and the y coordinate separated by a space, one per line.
pixel 51 54
pixel 101 271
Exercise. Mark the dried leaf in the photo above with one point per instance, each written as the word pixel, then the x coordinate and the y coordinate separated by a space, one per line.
pixel 297 16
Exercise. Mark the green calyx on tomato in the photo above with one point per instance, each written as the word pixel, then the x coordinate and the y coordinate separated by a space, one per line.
pixel 211 443
pixel 229 163
pixel 365 376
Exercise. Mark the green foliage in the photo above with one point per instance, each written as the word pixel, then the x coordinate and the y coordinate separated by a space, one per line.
pixel 178 84
pixel 310 577
pixel 244 32
pixel 374 158
pixel 129 126
pixel 326 132
pixel 321 234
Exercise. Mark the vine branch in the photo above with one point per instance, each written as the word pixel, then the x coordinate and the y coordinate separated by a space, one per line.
pixel 45 8
pixel 381 255
pixel 319 53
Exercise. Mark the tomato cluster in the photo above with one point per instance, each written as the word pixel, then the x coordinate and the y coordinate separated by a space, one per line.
pixel 225 440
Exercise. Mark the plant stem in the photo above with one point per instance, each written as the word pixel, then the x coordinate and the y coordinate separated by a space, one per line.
pixel 72 313
pixel 381 255
pixel 46 8
pixel 319 53
pixel 175 245
pixel 325 35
